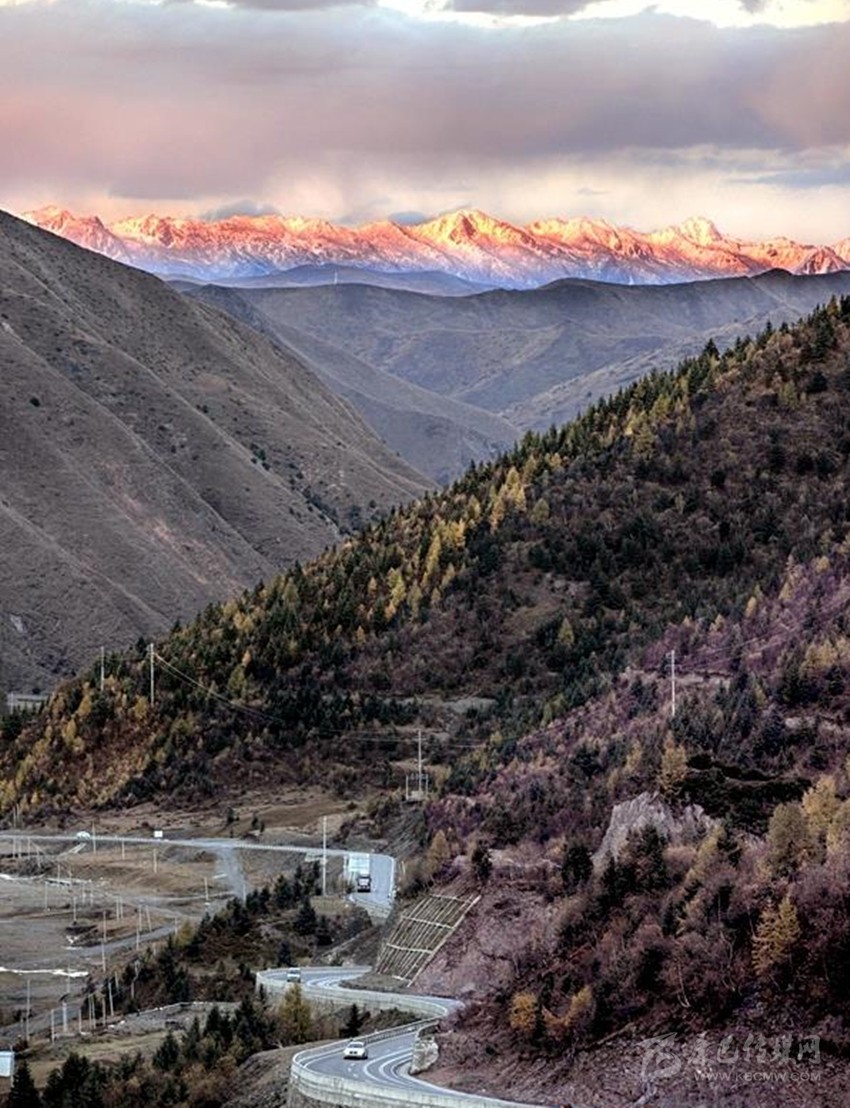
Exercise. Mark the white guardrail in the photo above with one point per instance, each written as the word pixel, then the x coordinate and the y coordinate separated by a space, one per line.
pixel 344 1092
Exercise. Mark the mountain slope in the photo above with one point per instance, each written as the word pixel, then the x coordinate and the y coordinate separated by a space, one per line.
pixel 437 435
pixel 533 580
pixel 155 455
pixel 469 245
pixel 537 357
pixel 683 874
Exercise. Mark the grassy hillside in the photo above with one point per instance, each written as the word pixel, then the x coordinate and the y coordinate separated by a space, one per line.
pixel 533 580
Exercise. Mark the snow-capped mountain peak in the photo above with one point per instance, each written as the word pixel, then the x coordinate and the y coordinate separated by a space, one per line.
pixel 468 243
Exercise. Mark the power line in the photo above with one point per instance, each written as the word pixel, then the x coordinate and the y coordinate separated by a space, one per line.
pixel 323 731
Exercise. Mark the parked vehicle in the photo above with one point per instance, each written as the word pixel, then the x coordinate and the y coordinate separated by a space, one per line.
pixel 359 867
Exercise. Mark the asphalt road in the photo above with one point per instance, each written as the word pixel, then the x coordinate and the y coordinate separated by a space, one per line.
pixel 377 902
pixel 389 1057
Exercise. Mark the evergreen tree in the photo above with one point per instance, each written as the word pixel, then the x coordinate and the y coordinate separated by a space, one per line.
pixel 306 920
pixel 354 1022
pixel 294 1016
pixel 23 1093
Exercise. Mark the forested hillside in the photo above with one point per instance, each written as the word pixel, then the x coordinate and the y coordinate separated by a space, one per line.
pixel 662 872
pixel 534 580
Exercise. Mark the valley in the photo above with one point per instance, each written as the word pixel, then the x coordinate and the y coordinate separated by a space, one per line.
pixel 659 852
pixel 534 358
pixel 424 554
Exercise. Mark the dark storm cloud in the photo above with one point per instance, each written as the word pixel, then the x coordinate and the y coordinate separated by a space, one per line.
pixel 183 100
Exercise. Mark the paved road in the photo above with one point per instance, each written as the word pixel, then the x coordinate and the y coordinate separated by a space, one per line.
pixel 389 1056
pixel 377 902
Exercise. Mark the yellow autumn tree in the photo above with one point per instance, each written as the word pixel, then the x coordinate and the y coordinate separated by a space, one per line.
pixel 439 853
pixel 788 839
pixel 820 803
pixel 674 768
pixel 776 937
pixel 523 1014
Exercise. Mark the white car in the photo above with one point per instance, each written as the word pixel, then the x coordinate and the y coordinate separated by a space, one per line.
pixel 356 1049
pixel 293 974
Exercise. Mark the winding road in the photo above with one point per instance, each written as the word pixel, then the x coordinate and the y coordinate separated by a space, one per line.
pixel 322 1072
pixel 383 1078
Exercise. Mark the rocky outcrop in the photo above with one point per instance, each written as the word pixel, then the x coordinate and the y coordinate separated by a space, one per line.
pixel 651 810
pixel 425 1054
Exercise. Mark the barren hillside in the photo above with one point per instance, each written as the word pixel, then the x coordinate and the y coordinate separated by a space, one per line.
pixel 155 455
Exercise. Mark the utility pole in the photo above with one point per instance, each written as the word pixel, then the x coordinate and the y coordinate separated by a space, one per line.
pixel 672 684
pixel 152 690
pixel 419 771
pixel 102 667
pixel 324 855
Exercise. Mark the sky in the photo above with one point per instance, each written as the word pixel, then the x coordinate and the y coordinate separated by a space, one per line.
pixel 358 110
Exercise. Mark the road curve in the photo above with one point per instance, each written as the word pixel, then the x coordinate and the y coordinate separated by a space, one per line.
pixel 383 1078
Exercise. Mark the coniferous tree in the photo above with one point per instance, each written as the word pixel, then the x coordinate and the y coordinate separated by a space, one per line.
pixel 23 1093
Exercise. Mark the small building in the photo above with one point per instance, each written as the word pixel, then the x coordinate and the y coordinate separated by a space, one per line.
pixel 7 1064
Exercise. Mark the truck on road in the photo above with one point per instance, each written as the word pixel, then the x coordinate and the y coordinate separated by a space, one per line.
pixel 359 872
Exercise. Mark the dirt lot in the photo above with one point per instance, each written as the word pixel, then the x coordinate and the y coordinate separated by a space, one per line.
pixel 70 909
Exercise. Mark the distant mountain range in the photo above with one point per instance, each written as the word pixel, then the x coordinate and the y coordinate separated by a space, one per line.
pixel 442 255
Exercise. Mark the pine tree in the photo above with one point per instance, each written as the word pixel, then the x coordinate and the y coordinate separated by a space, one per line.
pixel 23 1093
pixel 576 867
pixel 294 1016
pixel 306 920
pixel 482 863
pixel 353 1024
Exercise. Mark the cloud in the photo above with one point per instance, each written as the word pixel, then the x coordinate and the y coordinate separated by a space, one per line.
pixel 240 207
pixel 277 5
pixel 520 7
pixel 410 219
pixel 187 107
pixel 804 177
